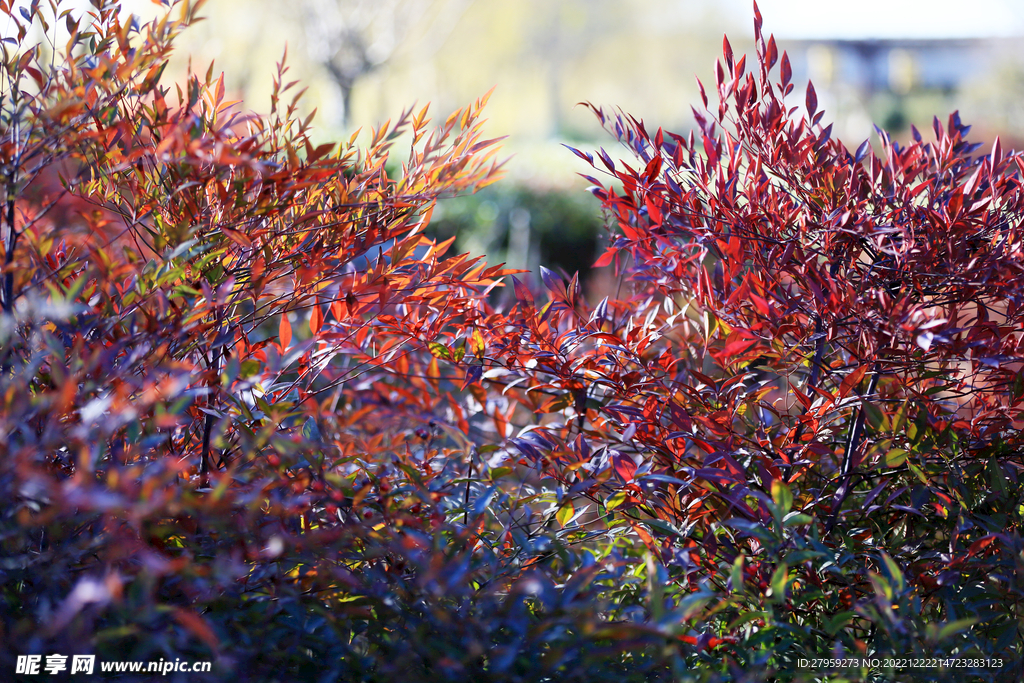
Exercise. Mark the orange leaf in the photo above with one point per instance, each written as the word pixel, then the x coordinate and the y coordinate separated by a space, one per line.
pixel 980 545
pixel 647 539
pixel 316 318
pixel 852 380
pixel 606 257
pixel 284 332
pixel 197 626
pixel 338 310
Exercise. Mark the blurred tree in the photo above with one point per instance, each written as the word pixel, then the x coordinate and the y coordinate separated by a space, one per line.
pixel 351 38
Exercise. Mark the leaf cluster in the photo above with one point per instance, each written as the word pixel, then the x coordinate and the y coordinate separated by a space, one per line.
pixel 252 412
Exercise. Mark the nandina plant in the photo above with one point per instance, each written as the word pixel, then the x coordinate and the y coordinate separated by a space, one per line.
pixel 201 310
pixel 806 394
pixel 231 429
pixel 251 414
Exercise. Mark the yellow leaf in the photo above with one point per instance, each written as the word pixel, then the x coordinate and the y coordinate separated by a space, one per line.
pixel 565 513
pixel 477 344
pixel 615 500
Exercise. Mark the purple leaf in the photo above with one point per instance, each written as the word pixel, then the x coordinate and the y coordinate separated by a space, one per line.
pixel 551 281
pixel 862 151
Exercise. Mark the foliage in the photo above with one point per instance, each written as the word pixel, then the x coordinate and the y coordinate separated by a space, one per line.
pixel 819 372
pixel 562 227
pixel 251 413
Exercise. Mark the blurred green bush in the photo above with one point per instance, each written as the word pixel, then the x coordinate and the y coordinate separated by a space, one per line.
pixel 524 226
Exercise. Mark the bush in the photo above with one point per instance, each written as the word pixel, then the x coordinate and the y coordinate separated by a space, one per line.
pixel 562 227
pixel 819 374
pixel 252 414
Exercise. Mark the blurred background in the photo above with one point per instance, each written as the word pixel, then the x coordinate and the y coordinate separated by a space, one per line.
pixel 890 63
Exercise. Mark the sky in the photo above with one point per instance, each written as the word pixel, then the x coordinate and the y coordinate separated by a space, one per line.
pixel 853 19
pixel 842 19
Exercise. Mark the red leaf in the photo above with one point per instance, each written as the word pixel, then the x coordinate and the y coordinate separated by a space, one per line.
pixel 338 310
pixel 736 347
pixel 812 99
pixel 644 536
pixel 852 380
pixel 284 331
pixel 522 291
pixel 956 202
pixel 786 70
pixel 238 238
pixel 197 626
pixel 606 257
pixel 980 545
pixel 652 209
pixel 316 318
pixel 653 168
pixel 624 467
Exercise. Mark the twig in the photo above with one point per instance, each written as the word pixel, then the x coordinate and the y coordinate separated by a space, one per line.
pixel 852 444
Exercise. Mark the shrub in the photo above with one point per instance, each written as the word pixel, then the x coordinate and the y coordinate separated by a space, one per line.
pixel 562 226
pixel 816 376
pixel 252 414
pixel 194 303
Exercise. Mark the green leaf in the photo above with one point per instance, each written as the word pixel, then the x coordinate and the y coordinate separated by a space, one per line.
pixel 876 419
pixel 837 622
pixel 657 577
pixel 920 475
pixel 995 476
pixel 231 370
pixel 499 472
pixel 882 586
pixel 439 350
pixel 736 576
pixel 798 556
pixel 895 575
pixel 895 457
pixel 797 518
pixel 899 420
pixel 459 350
pixel 1018 384
pixel 955 627
pixel 75 288
pixel 249 368
pixel 748 617
pixel 710 324
pixel 311 431
pixel 779 581
pixel 691 605
pixel 663 527
pixel 782 496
